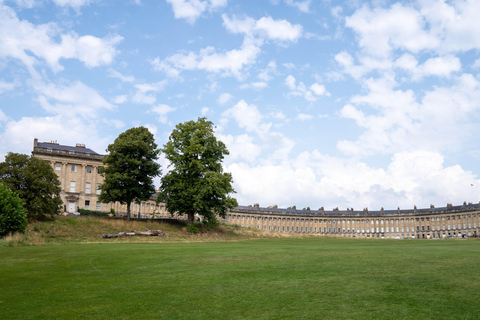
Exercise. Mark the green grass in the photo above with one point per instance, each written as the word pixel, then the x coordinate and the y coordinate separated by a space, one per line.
pixel 310 278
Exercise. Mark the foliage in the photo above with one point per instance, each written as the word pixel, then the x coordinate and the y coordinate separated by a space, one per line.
pixel 85 212
pixel 196 182
pixel 192 229
pixel 35 182
pixel 130 168
pixel 13 216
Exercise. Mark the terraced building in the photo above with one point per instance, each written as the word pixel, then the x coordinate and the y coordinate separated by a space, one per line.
pixel 449 221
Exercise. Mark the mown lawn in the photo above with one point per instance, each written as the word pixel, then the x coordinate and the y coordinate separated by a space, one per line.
pixel 258 279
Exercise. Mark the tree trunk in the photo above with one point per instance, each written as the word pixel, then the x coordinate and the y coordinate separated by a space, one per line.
pixel 128 211
pixel 191 215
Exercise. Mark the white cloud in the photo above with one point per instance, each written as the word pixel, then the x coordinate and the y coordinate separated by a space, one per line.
pixel 120 99
pixel 146 92
pixel 72 3
pixel 304 116
pixel 254 85
pixel 266 74
pixel 115 74
pixel 205 110
pixel 224 98
pixel 162 110
pixel 303 6
pixel 310 94
pixel 191 10
pixel 27 42
pixel 431 25
pixel 265 27
pixel 208 59
pixel 439 66
pixel 442 120
pixel 6 86
pixel 26 3
pixel 76 100
pixel 247 116
pixel 241 147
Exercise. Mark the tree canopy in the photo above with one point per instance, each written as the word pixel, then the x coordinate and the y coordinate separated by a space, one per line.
pixel 13 216
pixel 196 183
pixel 130 167
pixel 35 182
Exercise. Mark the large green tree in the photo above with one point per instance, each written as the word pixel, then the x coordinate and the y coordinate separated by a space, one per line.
pixel 130 167
pixel 35 182
pixel 13 216
pixel 196 183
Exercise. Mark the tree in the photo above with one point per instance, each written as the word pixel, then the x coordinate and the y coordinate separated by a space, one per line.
pixel 130 168
pixel 196 182
pixel 13 216
pixel 35 182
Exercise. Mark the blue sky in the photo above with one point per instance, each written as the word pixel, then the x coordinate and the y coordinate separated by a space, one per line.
pixel 321 103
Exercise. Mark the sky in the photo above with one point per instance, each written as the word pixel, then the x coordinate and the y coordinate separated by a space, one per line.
pixel 347 104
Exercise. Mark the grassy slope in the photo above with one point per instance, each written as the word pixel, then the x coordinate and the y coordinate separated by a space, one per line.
pixel 89 230
pixel 260 279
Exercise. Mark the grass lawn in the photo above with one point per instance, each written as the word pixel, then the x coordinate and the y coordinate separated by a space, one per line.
pixel 257 279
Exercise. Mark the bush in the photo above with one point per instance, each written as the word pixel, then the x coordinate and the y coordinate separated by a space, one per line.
pixel 13 216
pixel 85 212
pixel 193 229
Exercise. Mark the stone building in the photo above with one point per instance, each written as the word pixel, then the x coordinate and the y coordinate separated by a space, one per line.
pixel 449 221
pixel 78 172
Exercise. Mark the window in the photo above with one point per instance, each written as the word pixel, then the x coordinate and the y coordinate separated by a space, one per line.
pixel 98 170
pixel 74 167
pixel 87 187
pixel 89 169
pixel 99 206
pixel 58 166
pixel 87 204
pixel 72 186
pixel 98 188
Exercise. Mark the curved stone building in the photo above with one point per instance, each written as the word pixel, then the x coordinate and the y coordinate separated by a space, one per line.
pixel 450 221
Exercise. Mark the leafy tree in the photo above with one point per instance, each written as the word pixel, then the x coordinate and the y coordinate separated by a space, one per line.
pixel 13 216
pixel 35 182
pixel 196 182
pixel 130 168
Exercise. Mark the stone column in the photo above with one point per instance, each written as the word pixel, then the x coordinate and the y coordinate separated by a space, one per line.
pixel 64 171
pixel 84 172
pixel 94 182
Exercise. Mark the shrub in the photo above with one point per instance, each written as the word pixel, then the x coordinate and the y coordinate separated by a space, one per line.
pixel 85 212
pixel 193 229
pixel 13 216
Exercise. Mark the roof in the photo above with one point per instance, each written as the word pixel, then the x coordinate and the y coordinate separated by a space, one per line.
pixel 55 146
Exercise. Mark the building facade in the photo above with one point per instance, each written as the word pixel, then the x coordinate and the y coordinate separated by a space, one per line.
pixel 450 221
pixel 77 169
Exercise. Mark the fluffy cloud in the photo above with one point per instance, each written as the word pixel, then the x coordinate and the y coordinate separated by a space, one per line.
pixel 431 25
pixel 208 59
pixel 309 93
pixel 191 10
pixel 76 100
pixel 440 121
pixel 303 6
pixel 145 93
pixel 224 98
pixel 6 86
pixel 265 27
pixel 162 110
pixel 72 3
pixel 28 43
